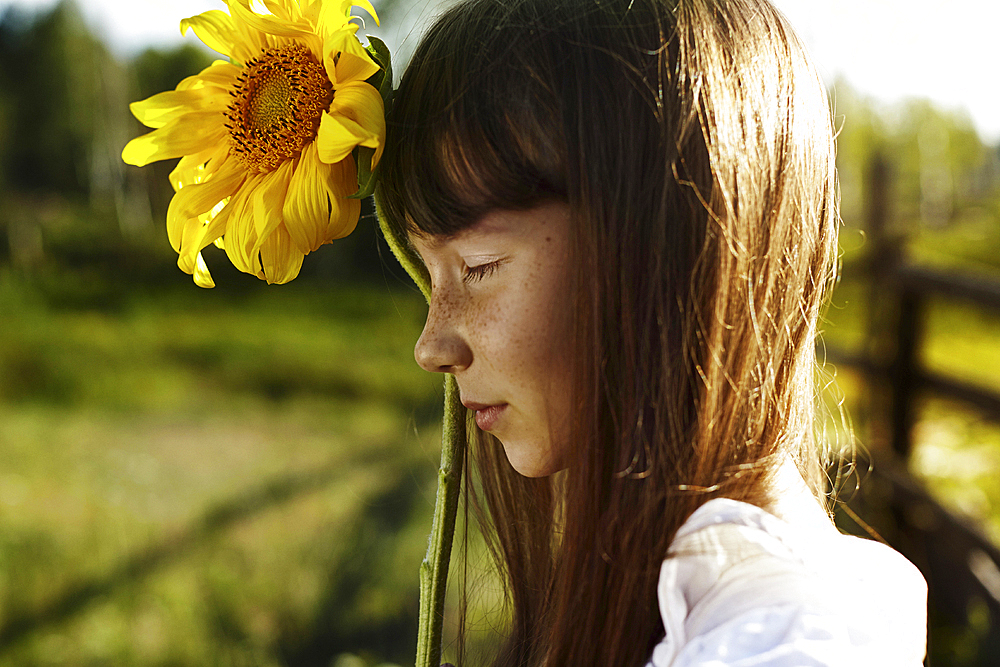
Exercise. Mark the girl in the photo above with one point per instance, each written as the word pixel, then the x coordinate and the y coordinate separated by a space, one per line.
pixel 627 211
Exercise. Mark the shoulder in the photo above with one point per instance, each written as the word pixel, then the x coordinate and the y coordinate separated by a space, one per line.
pixel 743 587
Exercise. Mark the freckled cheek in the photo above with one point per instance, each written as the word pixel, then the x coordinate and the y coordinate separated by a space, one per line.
pixel 503 335
pixel 558 332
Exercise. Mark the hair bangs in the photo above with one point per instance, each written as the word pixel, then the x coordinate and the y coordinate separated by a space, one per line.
pixel 469 132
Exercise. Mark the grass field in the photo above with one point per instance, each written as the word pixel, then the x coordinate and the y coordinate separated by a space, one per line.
pixel 246 478
pixel 213 480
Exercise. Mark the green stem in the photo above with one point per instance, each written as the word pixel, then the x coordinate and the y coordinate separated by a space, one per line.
pixel 434 569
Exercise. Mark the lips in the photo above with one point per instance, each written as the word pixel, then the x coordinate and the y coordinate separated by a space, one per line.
pixel 486 415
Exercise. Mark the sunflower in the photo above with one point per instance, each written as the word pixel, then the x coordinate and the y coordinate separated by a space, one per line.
pixel 268 141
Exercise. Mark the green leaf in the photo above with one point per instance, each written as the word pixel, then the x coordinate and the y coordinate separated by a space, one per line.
pixel 366 176
pixel 381 80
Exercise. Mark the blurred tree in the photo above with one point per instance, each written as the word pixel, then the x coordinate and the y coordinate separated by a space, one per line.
pixel 64 120
pixel 861 133
pixel 940 156
pixel 156 70
pixel 942 165
pixel 47 80
pixel 49 74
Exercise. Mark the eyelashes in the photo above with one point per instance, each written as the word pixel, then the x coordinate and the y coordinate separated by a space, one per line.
pixel 474 274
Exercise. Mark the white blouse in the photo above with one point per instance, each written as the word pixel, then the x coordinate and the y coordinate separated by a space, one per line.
pixel 744 588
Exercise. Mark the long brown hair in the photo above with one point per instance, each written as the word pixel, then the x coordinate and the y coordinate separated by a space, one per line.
pixel 692 140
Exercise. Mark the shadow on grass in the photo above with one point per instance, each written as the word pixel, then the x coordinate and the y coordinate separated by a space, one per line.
pixel 368 541
pixel 340 625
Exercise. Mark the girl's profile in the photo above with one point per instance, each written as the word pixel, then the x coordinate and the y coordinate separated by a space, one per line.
pixel 501 320
pixel 628 213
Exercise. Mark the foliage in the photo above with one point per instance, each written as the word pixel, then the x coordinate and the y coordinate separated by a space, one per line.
pixel 946 199
pixel 52 71
pixel 255 491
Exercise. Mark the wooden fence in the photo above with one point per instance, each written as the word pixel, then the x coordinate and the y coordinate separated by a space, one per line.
pixel 961 565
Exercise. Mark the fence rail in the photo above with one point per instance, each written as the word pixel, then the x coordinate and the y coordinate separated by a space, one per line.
pixel 961 565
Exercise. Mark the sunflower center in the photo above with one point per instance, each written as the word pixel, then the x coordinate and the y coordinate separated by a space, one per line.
pixel 277 103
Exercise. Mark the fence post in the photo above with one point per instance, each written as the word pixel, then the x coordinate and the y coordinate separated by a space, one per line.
pixel 894 315
pixel 904 375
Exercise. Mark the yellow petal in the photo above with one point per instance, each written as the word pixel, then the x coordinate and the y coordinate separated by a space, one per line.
pixel 198 239
pixel 249 41
pixel 270 25
pixel 186 229
pixel 317 209
pixel 346 60
pixel 217 78
pixel 334 15
pixel 281 261
pixel 338 136
pixel 312 42
pixel 356 118
pixel 239 238
pixel 288 11
pixel 193 200
pixel 360 102
pixel 160 109
pixel 215 28
pixel 268 200
pixel 199 167
pixel 363 4
pixel 342 179
pixel 311 10
pixel 183 135
pixel 307 205
pixel 190 169
pixel 220 73
pixel 202 278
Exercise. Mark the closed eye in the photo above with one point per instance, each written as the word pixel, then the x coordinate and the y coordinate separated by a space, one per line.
pixel 476 273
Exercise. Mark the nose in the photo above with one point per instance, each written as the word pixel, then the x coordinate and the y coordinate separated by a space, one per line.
pixel 441 347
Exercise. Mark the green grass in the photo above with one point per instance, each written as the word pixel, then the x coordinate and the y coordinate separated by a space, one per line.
pixel 202 479
pixel 246 476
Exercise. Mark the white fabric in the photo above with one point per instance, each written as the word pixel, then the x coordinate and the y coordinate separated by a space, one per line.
pixel 744 588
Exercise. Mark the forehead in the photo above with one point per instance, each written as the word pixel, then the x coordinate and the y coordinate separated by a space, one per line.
pixel 513 224
pixel 494 223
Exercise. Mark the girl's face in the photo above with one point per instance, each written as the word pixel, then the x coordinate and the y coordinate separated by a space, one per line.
pixel 499 320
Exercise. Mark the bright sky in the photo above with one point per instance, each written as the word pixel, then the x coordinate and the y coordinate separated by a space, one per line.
pixel 888 49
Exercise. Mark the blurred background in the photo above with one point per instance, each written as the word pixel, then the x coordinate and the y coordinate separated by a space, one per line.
pixel 245 475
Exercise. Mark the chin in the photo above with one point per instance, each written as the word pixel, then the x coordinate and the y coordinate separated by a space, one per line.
pixel 528 461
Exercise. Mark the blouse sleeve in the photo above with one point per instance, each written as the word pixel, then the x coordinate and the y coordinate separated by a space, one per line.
pixel 779 636
pixel 741 596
